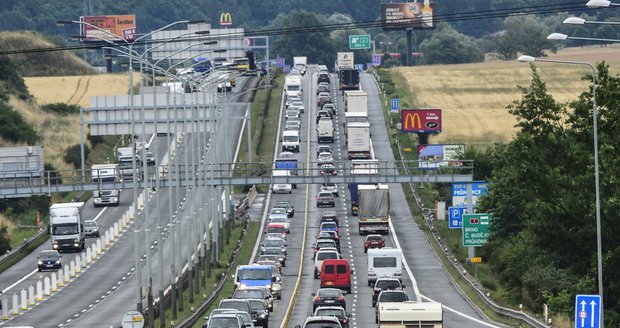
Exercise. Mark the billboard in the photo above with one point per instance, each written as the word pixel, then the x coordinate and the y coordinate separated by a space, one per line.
pixel 400 16
pixel 420 120
pixel 110 28
pixel 436 156
pixel 226 19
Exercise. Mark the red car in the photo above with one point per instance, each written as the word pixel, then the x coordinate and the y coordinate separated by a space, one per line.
pixel 373 241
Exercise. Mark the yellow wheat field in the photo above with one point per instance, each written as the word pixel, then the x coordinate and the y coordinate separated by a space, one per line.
pixel 473 97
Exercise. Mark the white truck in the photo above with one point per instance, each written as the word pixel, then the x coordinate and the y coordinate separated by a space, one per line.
pixel 325 130
pixel 66 230
pixel 105 173
pixel 293 86
pixel 409 314
pixel 373 208
pixel 384 262
pixel 358 140
pixel 354 117
pixel 344 60
pixel 300 64
pixel 124 157
pixel 290 141
pixel 356 101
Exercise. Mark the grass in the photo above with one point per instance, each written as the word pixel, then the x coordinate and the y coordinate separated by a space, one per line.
pixel 264 126
pixel 473 97
pixel 34 244
pixel 242 257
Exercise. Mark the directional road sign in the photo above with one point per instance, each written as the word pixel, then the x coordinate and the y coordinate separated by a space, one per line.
pixel 359 41
pixel 459 192
pixel 132 319
pixel 455 217
pixel 476 229
pixel 587 311
pixel 376 59
pixel 395 105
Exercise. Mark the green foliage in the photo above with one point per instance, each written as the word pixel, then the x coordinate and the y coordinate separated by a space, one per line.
pixel 14 128
pixel 5 244
pixel 522 34
pixel 10 81
pixel 61 108
pixel 54 176
pixel 447 46
pixel 73 155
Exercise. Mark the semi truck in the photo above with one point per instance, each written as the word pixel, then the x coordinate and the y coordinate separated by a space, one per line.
pixel 287 161
pixel 374 208
pixel 349 79
pixel 358 140
pixel 360 168
pixel 356 101
pixel 66 229
pixel 352 118
pixel 409 314
pixel 292 86
pixel 300 63
pixel 124 156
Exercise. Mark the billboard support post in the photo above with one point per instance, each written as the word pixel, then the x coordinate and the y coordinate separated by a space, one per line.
pixel 409 46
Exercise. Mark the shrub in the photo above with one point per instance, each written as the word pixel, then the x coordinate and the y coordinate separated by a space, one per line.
pixel 61 108
pixel 73 155
pixel 14 128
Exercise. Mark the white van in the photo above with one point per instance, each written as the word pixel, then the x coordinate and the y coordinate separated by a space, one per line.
pixel 325 130
pixel 284 188
pixel 290 141
pixel 384 262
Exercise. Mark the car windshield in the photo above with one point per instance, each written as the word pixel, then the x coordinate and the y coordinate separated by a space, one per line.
pixel 325 244
pixel 393 297
pixel 279 219
pixel 387 284
pixel 257 305
pixel 290 138
pixel 374 237
pixel 273 251
pixel 48 255
pixel 90 224
pixel 283 204
pixel 274 243
pixel 328 293
pixel 325 194
pixel 236 305
pixel 223 322
pixel 326 255
pixel 254 274
pixel 328 225
pixel 244 293
pixel 330 312
pixel 278 211
pixel 275 229
pixel 322 324
pixel 268 257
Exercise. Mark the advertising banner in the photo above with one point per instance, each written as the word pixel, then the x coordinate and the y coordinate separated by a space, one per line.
pixel 420 120
pixel 436 156
pixel 109 28
pixel 400 16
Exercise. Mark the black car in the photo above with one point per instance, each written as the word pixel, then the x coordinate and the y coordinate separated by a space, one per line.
pixel 276 251
pixel 260 314
pixel 323 77
pixel 385 284
pixel 328 297
pixel 91 229
pixel 49 260
pixel 329 216
pixel 290 209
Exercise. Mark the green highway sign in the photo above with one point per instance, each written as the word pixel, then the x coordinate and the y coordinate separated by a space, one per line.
pixel 359 41
pixel 476 229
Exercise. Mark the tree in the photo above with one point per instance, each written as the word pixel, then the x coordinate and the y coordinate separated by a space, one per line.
pixel 316 45
pixel 5 245
pixel 73 155
pixel 522 34
pixel 447 46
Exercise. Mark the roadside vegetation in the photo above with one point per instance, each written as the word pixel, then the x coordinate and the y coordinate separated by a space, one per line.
pixel 538 216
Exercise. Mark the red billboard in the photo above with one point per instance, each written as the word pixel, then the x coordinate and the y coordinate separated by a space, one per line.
pixel 108 28
pixel 415 15
pixel 420 120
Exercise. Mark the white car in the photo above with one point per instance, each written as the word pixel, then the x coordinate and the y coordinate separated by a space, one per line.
pixel 292 124
pixel 298 104
pixel 282 219
pixel 325 158
pixel 292 113
pixel 324 254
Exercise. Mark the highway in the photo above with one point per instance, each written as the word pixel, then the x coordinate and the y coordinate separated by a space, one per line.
pixel 430 278
pixel 105 290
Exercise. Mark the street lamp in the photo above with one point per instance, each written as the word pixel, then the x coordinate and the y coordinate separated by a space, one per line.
pixel 600 4
pixel 529 59
pixel 561 37
pixel 581 21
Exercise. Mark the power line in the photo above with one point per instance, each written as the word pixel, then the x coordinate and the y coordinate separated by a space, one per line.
pixel 478 15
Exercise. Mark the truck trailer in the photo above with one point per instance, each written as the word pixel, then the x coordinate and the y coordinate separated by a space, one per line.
pixel 409 314
pixel 374 209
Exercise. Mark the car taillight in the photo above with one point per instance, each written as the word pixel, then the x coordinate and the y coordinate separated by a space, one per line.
pixel 317 299
pixel 341 298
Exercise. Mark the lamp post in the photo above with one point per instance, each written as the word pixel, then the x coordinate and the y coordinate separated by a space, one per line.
pixel 561 37
pixel 601 4
pixel 581 21
pixel 529 59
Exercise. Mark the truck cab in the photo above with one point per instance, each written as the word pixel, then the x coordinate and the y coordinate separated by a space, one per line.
pixel 66 229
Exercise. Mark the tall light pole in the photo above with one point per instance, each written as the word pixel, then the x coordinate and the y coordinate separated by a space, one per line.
pixel 529 59
pixel 561 37
pixel 601 4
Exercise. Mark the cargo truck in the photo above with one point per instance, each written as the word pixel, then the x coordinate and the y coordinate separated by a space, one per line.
pixel 360 168
pixel 292 86
pixel 374 208
pixel 409 314
pixel 66 229
pixel 353 117
pixel 287 161
pixel 300 64
pixel 358 140
pixel 349 79
pixel 356 101
pixel 325 130
pixel 124 157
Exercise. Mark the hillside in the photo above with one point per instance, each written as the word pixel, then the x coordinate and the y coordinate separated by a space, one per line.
pixel 473 97
pixel 54 63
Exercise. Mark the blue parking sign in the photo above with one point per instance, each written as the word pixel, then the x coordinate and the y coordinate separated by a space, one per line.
pixel 455 217
pixel 587 311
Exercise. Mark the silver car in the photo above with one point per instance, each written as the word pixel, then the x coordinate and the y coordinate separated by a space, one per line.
pixel 299 105
pixel 292 124
pixel 325 158
pixel 292 113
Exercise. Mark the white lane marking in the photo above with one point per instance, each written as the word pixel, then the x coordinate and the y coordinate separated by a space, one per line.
pixel 100 213
pixel 19 281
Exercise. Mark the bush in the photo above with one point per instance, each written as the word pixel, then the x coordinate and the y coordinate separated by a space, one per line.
pixel 61 108
pixel 73 155
pixel 14 128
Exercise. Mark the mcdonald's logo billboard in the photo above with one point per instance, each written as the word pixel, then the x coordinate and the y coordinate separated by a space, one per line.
pixel 420 120
pixel 225 19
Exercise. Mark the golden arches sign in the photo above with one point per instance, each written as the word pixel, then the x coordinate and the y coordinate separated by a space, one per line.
pixel 225 19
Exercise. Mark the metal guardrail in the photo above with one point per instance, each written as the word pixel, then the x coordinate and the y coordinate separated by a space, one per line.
pixel 8 256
